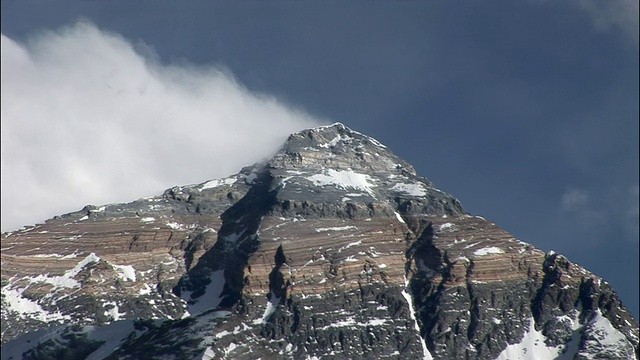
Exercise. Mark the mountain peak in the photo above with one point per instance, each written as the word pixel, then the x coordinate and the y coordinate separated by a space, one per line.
pixel 334 247
pixel 339 147
pixel 336 165
pixel 328 136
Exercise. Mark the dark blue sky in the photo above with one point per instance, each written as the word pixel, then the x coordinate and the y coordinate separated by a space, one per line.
pixel 526 111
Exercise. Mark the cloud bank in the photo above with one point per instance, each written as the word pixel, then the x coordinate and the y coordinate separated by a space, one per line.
pixel 88 119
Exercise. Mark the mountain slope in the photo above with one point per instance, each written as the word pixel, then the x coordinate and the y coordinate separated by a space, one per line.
pixel 333 248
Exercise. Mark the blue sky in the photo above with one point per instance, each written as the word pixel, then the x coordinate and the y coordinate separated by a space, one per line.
pixel 526 111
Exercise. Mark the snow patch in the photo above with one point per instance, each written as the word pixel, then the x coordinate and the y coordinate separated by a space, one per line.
pixel 125 272
pixel 605 341
pixel 608 334
pixel 488 250
pixel 359 242
pixel 67 280
pixel 446 226
pixel 211 297
pixel 339 228
pixel 208 353
pixel 472 245
pixel 335 141
pixel 217 182
pixel 174 225
pixel 229 349
pixel 272 305
pixel 350 322
pixel 113 312
pixel 28 308
pixel 344 179
pixel 222 334
pixel 602 338
pixel 410 189
pixel 146 290
pixel 412 314
pixel 531 347
pixel 235 236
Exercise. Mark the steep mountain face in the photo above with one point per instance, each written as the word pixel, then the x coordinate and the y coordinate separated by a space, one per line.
pixel 334 248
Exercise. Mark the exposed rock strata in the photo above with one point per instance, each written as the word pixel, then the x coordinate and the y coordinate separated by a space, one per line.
pixel 332 248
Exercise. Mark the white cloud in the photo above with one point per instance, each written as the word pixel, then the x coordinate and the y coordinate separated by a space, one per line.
pixel 86 119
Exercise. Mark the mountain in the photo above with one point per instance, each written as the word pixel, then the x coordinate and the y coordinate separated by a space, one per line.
pixel 332 249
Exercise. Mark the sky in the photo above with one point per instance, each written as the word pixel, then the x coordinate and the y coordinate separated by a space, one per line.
pixel 525 111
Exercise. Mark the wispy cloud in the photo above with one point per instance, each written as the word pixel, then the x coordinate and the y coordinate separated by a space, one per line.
pixel 88 119
pixel 616 15
pixel 574 200
pixel 611 207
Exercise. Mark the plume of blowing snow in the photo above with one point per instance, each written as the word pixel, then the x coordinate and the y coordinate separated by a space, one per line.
pixel 87 119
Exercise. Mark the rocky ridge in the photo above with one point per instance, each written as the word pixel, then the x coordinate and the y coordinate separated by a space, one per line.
pixel 333 248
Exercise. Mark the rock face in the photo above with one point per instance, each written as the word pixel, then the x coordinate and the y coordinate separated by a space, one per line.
pixel 334 248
